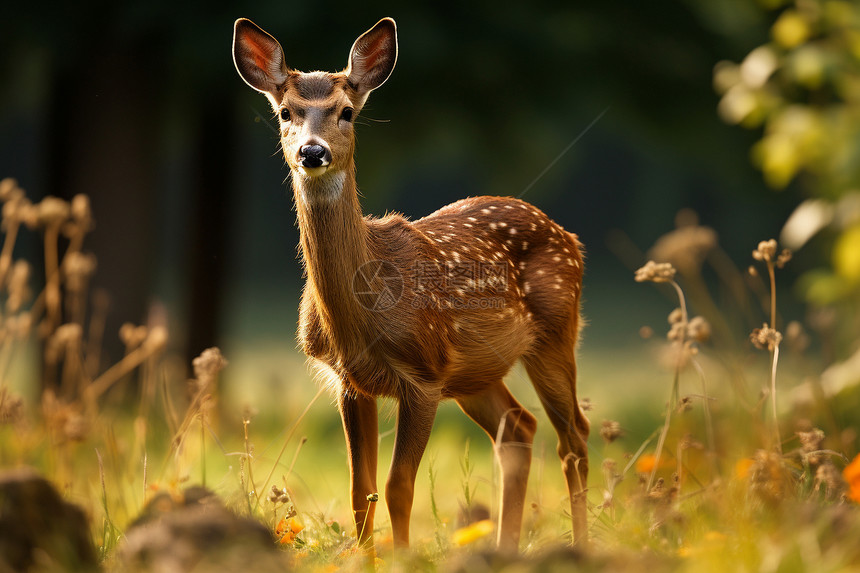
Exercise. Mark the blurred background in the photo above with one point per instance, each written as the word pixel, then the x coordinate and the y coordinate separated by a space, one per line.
pixel 603 114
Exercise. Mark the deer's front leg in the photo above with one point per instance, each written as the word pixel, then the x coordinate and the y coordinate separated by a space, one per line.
pixel 414 421
pixel 361 429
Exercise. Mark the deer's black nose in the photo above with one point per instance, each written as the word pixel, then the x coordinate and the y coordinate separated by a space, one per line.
pixel 314 156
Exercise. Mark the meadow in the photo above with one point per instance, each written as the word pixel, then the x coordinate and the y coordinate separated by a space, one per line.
pixel 723 400
pixel 735 453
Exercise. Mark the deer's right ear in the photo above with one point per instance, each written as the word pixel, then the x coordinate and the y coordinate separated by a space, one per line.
pixel 259 58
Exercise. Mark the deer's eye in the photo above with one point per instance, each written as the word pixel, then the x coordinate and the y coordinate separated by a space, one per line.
pixel 285 114
pixel 346 114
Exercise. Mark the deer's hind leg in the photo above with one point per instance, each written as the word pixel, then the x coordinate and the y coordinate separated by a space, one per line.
pixel 511 428
pixel 552 369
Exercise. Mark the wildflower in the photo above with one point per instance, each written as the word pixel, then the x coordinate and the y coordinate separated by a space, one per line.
pixel 851 473
pixel 743 467
pixel 765 337
pixel 287 530
pixel 655 272
pixel 610 431
pixel 473 532
pixel 645 464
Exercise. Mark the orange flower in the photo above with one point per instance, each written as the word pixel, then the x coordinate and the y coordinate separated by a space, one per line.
pixel 287 529
pixel 645 464
pixel 851 473
pixel 742 468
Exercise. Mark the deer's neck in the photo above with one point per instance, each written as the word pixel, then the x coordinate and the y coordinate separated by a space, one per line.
pixel 334 244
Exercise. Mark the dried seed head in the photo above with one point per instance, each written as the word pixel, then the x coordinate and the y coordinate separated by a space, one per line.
pixel 830 479
pixel 610 431
pixel 77 270
pixel 66 338
pixel 768 477
pixel 81 211
pixel 676 316
pixel 655 272
pixel 685 248
pixel 766 251
pixel 765 337
pixel 11 405
pixel 783 258
pixel 7 187
pixel 18 286
pixel 698 329
pixel 685 404
pixel 206 369
pixel 209 363
pixel 156 340
pixel 132 336
pixel 279 495
pixel 811 442
pixel 52 211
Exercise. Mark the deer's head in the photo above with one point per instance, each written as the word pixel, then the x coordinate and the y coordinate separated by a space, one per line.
pixel 316 110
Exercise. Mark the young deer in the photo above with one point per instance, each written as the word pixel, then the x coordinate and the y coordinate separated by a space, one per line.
pixel 422 311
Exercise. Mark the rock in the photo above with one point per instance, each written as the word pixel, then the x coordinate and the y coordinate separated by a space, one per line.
pixel 38 528
pixel 195 531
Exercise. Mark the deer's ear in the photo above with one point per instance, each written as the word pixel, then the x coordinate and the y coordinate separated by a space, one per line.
pixel 259 58
pixel 372 57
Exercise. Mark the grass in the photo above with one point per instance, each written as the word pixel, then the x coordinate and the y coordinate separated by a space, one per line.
pixel 722 476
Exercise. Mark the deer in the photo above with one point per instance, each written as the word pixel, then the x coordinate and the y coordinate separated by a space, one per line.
pixel 422 311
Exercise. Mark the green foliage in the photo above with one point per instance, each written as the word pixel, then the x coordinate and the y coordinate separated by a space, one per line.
pixel 802 89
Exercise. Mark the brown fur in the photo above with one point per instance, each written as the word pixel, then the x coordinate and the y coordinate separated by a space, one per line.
pixel 467 291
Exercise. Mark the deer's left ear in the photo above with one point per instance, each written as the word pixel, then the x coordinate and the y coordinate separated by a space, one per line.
pixel 372 57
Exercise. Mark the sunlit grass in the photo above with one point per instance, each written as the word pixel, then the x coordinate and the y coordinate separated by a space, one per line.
pixel 722 476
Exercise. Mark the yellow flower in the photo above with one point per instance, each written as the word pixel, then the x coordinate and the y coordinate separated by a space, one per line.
pixel 473 532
